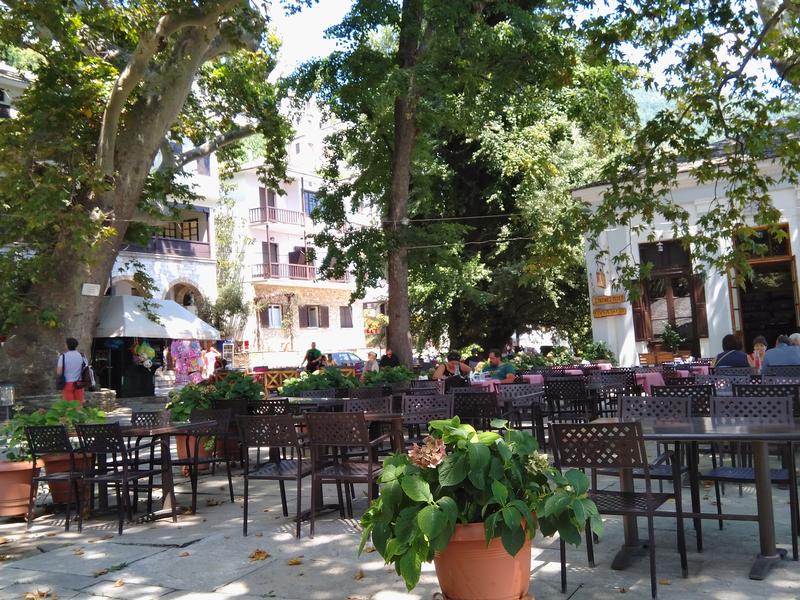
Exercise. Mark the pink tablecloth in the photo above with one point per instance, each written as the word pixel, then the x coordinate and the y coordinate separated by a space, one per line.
pixel 573 372
pixel 682 373
pixel 534 378
pixel 649 379
pixel 490 385
pixel 604 366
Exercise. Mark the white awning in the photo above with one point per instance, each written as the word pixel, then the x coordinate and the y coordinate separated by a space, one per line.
pixel 123 316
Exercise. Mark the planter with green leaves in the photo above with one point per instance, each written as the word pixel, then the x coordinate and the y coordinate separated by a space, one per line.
pixel 389 376
pixel 433 499
pixel 327 378
pixel 15 449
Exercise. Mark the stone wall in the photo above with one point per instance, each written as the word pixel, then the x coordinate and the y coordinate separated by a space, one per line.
pixel 104 399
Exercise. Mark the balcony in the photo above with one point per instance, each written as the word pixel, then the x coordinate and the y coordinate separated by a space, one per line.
pixel 173 246
pixel 271 214
pixel 290 271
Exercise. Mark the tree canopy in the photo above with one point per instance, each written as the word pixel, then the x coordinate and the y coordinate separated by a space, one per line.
pixel 115 88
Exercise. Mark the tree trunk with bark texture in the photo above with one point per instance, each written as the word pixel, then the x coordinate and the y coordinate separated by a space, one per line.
pixel 405 135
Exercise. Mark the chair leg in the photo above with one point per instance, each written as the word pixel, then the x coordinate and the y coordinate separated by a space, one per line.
pixel 562 551
pixel 193 481
pixel 230 480
pixel 282 487
pixel 31 502
pixel 341 499
pixel 67 510
pixel 313 504
pixel 652 550
pixel 120 507
pixel 299 503
pixel 719 502
pixel 589 545
pixel 79 502
pixel 793 499
pixel 244 512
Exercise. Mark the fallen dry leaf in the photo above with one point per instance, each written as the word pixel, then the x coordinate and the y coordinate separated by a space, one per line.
pixel 293 562
pixel 214 502
pixel 100 539
pixel 4 540
pixel 300 574
pixel 5 557
pixel 119 583
pixel 183 554
pixel 51 534
pixel 78 552
pixel 40 595
pixel 359 575
pixel 623 590
pixel 266 510
pixel 100 572
pixel 259 534
pixel 369 549
pixel 664 582
pixel 259 555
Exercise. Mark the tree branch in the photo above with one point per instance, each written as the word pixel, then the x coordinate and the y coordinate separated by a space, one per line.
pixel 132 73
pixel 220 141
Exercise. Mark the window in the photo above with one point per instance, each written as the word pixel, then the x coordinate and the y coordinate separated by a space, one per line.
pixel 314 316
pixel 297 148
pixel 345 317
pixel 274 316
pixel 764 244
pixel 310 201
pixel 186 230
pixel 204 165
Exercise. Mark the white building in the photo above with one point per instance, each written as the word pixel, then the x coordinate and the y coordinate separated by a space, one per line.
pixel 294 306
pixel 12 84
pixel 702 311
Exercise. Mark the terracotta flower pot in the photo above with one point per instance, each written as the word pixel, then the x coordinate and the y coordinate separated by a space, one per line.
pixel 468 569
pixel 182 454
pixel 59 463
pixel 15 487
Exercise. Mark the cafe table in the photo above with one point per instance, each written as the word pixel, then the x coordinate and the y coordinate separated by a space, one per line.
pixel 163 433
pixel 649 379
pixel 711 430
pixel 490 385
pixel 534 378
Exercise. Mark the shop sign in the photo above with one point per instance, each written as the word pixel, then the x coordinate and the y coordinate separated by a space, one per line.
pixel 600 313
pixel 616 299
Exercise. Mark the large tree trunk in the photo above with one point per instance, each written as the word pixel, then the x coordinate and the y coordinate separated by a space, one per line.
pixel 405 135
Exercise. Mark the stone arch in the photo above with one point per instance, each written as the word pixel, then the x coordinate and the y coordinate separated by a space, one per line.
pixel 123 286
pixel 184 292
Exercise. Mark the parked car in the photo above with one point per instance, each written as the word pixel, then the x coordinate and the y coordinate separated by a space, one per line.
pixel 347 359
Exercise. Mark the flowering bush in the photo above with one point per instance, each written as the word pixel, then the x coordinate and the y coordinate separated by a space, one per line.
pixel 459 475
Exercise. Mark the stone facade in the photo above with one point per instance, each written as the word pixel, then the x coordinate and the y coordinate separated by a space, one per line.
pixel 169 271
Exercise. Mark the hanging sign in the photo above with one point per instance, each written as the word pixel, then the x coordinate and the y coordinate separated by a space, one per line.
pixel 617 299
pixel 600 313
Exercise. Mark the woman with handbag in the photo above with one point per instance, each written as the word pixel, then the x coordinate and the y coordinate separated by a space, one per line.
pixel 69 372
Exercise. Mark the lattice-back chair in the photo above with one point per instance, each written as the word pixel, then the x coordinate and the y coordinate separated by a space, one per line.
pixel 105 440
pixel 519 399
pixel 732 371
pixel 763 410
pixel 268 407
pixel 368 405
pixel 419 410
pixel 207 423
pixel 699 394
pixel 779 380
pixel 426 384
pixel 676 379
pixel 723 384
pixel 616 446
pixel 342 431
pixel 147 447
pixel 636 408
pixel 278 433
pixel 567 400
pixel 608 378
pixel 775 389
pixel 50 439
pixel 476 407
pixel 326 393
pixel 367 392
pixel 782 370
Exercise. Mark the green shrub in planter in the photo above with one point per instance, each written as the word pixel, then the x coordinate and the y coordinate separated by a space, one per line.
pixel 329 377
pixel 389 375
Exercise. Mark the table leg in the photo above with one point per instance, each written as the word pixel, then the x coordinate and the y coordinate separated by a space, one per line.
pixel 169 507
pixel 633 547
pixel 397 435
pixel 766 524
pixel 692 456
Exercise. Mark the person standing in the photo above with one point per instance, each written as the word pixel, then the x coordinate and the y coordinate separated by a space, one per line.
pixel 70 364
pixel 389 359
pixel 312 359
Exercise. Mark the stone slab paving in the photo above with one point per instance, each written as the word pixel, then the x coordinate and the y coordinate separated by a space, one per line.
pixel 205 557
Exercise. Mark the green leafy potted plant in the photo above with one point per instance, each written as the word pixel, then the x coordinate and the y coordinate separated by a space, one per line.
pixel 15 444
pixel 672 338
pixel 472 502
pixel 327 378
pixel 392 377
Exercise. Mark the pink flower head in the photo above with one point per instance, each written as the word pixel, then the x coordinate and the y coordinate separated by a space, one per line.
pixel 430 454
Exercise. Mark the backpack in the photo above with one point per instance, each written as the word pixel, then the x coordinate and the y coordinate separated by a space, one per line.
pixel 87 381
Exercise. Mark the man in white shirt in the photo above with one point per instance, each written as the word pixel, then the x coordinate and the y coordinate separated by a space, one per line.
pixel 71 365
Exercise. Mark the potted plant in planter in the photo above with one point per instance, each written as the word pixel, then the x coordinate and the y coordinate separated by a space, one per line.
pixel 323 379
pixel 395 378
pixel 63 412
pixel 472 502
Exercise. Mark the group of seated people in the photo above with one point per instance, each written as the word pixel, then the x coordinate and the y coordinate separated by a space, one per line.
pixel 785 352
pixel 494 368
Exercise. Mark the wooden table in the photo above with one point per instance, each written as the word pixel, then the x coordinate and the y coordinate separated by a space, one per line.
pixel 163 433
pixel 708 430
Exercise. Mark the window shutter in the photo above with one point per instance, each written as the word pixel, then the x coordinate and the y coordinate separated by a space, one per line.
pixel 345 316
pixel 263 316
pixel 265 252
pixel 271 198
pixel 303 311
pixel 699 300
pixel 323 316
pixel 642 326
pixel 262 197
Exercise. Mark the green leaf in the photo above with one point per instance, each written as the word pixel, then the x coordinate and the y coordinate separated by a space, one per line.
pixel 596 524
pixel 580 513
pixel 489 526
pixel 453 470
pixel 556 504
pixel 504 450
pixel 380 535
pixel 479 457
pixel 364 537
pixel 410 567
pixel 405 528
pixel 441 541
pixel 392 495
pixel 511 517
pixel 417 488
pixel 578 481
pixel 449 507
pixel 487 438
pixel 500 492
pixel 498 423
pixel 513 539
pixel 431 521
pixel 394 547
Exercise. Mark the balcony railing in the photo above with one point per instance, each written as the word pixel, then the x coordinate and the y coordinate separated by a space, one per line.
pixel 173 246
pixel 289 271
pixel 271 214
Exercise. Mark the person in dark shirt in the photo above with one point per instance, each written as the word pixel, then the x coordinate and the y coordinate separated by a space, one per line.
pixel 731 355
pixel 389 359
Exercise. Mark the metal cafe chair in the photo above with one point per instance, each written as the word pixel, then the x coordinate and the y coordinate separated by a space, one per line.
pixel 616 446
pixel 47 439
pixel 278 432
pixel 419 410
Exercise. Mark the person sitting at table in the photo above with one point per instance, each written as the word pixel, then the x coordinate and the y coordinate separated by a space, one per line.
pixel 370 365
pixel 454 372
pixel 782 354
pixel 756 359
pixel 389 359
pixel 497 369
pixel 731 355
